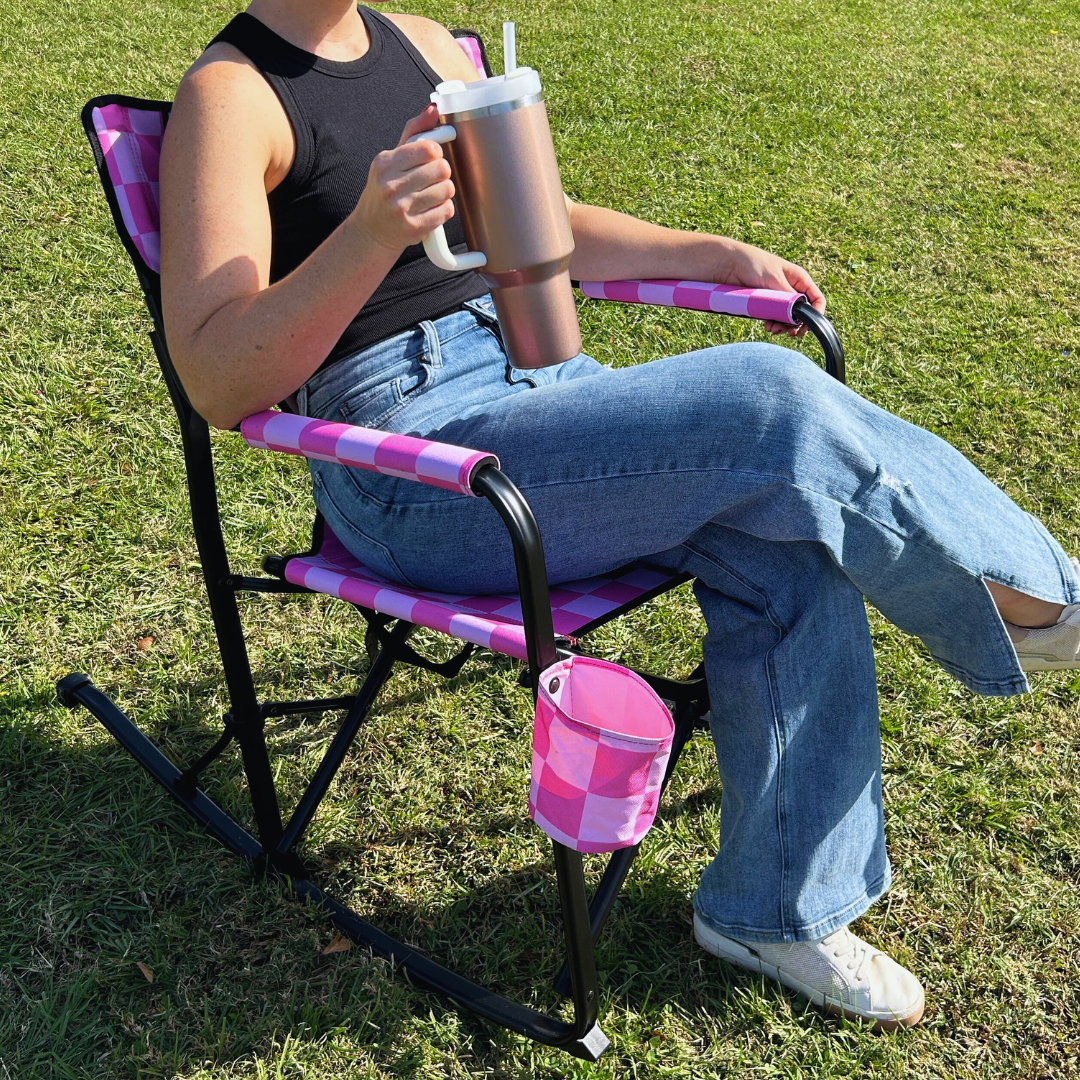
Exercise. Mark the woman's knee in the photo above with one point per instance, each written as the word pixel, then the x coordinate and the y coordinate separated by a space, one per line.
pixel 781 386
pixel 778 365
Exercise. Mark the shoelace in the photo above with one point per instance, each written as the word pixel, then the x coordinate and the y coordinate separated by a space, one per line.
pixel 844 945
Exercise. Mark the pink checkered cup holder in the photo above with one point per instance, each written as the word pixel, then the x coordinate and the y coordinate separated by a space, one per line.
pixel 601 741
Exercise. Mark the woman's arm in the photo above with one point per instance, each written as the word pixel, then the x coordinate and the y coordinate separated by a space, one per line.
pixel 610 246
pixel 239 343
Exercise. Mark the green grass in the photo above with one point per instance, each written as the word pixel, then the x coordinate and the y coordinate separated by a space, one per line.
pixel 920 159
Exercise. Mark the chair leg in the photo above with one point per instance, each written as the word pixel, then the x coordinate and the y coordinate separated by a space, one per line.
pixel 621 861
pixel 248 721
pixel 580 951
pixel 260 777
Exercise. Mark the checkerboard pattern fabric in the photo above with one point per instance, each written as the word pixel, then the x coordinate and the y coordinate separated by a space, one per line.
pixel 768 304
pixel 434 463
pixel 493 622
pixel 131 142
pixel 601 741
pixel 471 48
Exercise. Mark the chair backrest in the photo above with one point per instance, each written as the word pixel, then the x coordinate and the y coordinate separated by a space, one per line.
pixel 472 44
pixel 125 134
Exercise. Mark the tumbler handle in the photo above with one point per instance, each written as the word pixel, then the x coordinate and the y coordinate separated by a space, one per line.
pixel 435 246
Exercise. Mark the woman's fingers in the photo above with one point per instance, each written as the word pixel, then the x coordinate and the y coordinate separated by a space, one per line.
pixel 391 164
pixel 801 281
pixel 425 199
pixel 409 190
pixel 416 177
pixel 415 192
pixel 403 183
pixel 428 220
pixel 785 328
pixel 427 120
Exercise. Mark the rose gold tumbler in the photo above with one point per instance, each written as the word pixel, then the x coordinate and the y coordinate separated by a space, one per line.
pixel 513 212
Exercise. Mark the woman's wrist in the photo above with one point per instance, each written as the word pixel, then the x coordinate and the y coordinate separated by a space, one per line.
pixel 724 258
pixel 702 257
pixel 365 244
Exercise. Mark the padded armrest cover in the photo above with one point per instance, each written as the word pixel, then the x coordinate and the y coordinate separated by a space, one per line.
pixel 767 304
pixel 404 456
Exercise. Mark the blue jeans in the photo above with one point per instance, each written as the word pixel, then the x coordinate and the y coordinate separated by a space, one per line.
pixel 785 494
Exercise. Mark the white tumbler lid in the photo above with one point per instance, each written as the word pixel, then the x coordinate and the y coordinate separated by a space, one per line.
pixel 455 96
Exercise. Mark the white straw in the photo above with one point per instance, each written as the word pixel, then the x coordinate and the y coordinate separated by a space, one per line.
pixel 509 48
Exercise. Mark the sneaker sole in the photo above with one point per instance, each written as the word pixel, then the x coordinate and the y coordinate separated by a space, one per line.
pixel 735 953
pixel 1037 663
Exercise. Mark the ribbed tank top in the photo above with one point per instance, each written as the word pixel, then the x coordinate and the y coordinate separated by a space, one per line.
pixel 342 115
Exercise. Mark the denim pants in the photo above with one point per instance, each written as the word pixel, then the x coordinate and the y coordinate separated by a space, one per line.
pixel 785 494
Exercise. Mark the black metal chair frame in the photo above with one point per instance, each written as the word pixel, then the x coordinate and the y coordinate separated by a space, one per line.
pixel 274 846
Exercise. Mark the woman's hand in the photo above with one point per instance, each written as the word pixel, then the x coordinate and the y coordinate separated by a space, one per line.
pixel 753 268
pixel 409 189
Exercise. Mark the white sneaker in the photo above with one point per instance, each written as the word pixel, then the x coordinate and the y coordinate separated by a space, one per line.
pixel 1050 648
pixel 841 973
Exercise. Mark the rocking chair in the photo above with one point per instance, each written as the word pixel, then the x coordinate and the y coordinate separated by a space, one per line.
pixel 539 625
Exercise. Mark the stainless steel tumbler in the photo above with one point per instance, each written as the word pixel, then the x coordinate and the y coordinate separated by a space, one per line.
pixel 513 212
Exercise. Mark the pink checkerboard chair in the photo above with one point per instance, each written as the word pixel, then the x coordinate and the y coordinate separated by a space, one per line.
pixel 541 625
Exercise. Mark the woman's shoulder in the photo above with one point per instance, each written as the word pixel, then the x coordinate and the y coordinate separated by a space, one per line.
pixel 224 95
pixel 221 67
pixel 224 80
pixel 436 45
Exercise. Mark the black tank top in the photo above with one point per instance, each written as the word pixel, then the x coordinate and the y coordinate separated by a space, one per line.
pixel 342 115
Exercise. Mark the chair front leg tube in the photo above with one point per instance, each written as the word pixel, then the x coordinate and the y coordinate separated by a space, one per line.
pixel 529 562
pixel 621 861
pixel 540 642
pixel 580 953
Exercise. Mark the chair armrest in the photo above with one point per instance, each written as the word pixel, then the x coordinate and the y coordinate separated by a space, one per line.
pixel 767 304
pixel 405 456
pixel 770 305
pixel 441 465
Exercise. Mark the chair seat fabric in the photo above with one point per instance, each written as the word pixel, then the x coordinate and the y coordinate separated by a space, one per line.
pixel 493 622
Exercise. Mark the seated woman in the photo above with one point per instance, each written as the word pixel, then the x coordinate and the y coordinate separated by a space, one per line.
pixel 292 211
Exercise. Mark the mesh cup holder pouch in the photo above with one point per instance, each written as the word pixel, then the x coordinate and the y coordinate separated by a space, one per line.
pixel 601 740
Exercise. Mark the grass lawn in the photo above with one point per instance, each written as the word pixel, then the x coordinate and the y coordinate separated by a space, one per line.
pixel 920 159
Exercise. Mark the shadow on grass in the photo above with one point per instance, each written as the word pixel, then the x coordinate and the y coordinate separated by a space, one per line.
pixel 102 876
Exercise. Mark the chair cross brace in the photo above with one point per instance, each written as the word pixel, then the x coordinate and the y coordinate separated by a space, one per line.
pixel 240 583
pixel 378 640
pixel 272 709
pixel 339 747
pixel 188 780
